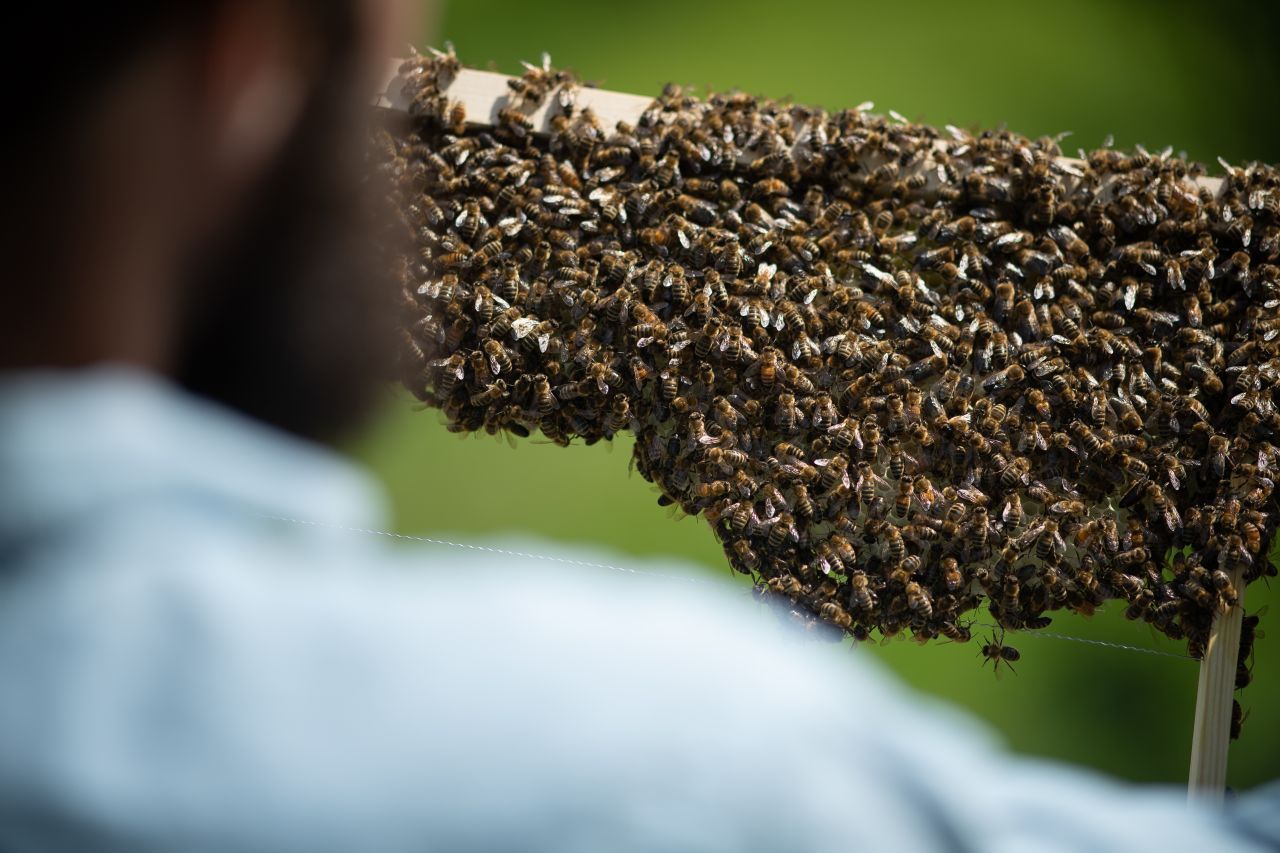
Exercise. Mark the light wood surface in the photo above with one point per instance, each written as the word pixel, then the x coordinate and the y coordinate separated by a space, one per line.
pixel 1211 734
pixel 484 93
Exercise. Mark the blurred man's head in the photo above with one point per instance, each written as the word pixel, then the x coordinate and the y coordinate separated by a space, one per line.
pixel 185 192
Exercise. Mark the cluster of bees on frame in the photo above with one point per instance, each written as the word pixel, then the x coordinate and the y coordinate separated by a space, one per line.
pixel 903 373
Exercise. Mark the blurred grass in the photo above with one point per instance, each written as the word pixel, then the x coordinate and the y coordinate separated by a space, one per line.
pixel 1159 75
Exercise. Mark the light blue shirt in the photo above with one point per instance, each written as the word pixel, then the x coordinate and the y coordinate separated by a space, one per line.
pixel 179 672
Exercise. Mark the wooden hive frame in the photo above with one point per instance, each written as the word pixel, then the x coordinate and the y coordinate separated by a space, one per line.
pixel 484 94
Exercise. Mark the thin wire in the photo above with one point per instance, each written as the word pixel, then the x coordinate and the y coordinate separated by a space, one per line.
pixel 1056 636
pixel 388 534
pixel 586 564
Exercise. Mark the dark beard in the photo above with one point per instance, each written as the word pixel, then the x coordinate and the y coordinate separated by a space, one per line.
pixel 288 320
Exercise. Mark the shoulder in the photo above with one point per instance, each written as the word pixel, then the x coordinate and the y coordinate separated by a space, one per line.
pixel 326 682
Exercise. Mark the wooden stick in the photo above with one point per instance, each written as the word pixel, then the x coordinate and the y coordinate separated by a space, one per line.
pixel 484 93
pixel 1211 734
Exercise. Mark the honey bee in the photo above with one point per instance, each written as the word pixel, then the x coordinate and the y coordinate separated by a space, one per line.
pixel 894 545
pixel 1167 509
pixel 1218 459
pixel 740 516
pixel 918 600
pixel 544 400
pixel 456 117
pixel 491 394
pixel 1049 544
pixel 452 371
pixel 862 598
pixel 996 651
pixel 897 459
pixel 786 585
pixel 782 529
pixel 1251 537
pixel 835 614
pixel 767 366
pixel 1233 555
pixel 978 531
pixel 902 503
pixel 619 414
pixel 952 578
pixel 803 503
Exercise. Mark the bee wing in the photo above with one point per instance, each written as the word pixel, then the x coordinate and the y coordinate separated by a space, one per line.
pixel 1007 511
pixel 522 326
pixel 1134 493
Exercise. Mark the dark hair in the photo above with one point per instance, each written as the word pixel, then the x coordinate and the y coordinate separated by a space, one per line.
pixel 281 316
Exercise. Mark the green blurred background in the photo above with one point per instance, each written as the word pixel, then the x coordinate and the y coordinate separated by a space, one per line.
pixel 1203 79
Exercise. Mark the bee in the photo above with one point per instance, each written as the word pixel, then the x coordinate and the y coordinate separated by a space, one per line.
pixel 1251 537
pixel 458 258
pixel 1017 471
pixel 499 358
pixel 1037 400
pixel 787 586
pixel 740 515
pixel 1067 508
pixel 667 170
pixel 452 370
pixel 619 414
pixel 893 545
pixel 978 531
pixel 918 600
pixel 782 529
pixel 845 435
pixel 486 253
pixel 866 484
pixel 491 394
pixel 1049 544
pixel 1193 407
pixel 456 117
pixel 902 503
pixel 803 503
pixel 1160 501
pixel 1232 556
pixel 669 384
pixel 1224 586
pixel 727 456
pixel 897 459
pixel 996 651
pixel 844 550
pixel 834 473
pixel 952 577
pixel 787 416
pixel 1133 556
pixel 862 598
pixel 767 366
pixel 544 400
pixel 1238 716
pixel 832 612
pixel 1218 458
pixel 712 489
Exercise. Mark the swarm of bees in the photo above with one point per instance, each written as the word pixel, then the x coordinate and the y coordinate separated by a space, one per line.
pixel 903 373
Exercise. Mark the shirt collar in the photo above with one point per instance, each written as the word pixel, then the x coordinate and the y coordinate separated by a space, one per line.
pixel 72 442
